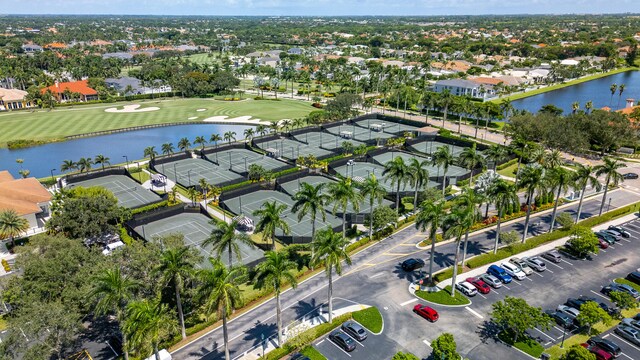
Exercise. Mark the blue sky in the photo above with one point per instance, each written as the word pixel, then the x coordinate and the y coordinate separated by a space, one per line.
pixel 320 7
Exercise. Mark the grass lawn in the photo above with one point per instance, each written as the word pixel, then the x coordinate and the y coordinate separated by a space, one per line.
pixel 509 170
pixel 369 318
pixel 200 59
pixel 528 345
pixel 443 297
pixel 61 122
pixel 3 323
pixel 140 176
pixel 625 281
pixel 312 353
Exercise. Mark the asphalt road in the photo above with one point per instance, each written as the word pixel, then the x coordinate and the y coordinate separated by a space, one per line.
pixel 372 279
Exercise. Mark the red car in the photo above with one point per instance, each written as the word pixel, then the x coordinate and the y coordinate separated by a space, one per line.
pixel 603 243
pixel 483 287
pixel 426 312
pixel 599 353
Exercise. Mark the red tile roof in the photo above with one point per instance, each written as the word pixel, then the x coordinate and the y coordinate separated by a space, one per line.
pixel 81 87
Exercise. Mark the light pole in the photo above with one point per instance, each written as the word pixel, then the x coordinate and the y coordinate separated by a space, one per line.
pixel 245 164
pixel 609 206
pixel 139 172
pixel 189 176
pixel 127 160
pixel 52 178
pixel 175 172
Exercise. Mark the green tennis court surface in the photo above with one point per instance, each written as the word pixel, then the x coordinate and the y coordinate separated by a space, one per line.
pixel 247 204
pixel 239 160
pixel 189 171
pixel 429 147
pixel 325 140
pixel 360 133
pixel 292 149
pixel 195 228
pixel 386 126
pixel 360 170
pixel 129 193
pixel 433 170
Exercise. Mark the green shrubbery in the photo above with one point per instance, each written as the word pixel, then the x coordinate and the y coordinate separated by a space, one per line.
pixel 150 207
pixel 23 143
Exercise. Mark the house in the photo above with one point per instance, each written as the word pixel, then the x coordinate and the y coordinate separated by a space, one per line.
pixel 118 55
pixel 269 61
pixel 65 91
pixel 295 51
pixel 461 87
pixel 13 99
pixel 27 197
pixel 127 85
pixel 31 48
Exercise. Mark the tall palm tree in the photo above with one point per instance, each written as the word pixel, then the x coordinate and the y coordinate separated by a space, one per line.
pixel 215 138
pixel 470 158
pixel 220 291
pixel 372 189
pixel 148 321
pixel 113 290
pixel 575 106
pixel 496 154
pixel 261 129
pixel 552 159
pixel 68 165
pixel 502 195
pixel 561 179
pixel 101 160
pixel 150 152
pixel 443 157
pixel 532 179
pixel 183 144
pixel 271 218
pixel 612 89
pixel 167 148
pixel 609 168
pixel 343 193
pixel 454 225
pixel 176 266
pixel 273 273
pixel 12 225
pixel 224 237
pixel 419 177
pixel 200 140
pixel 248 133
pixel 431 216
pixel 84 164
pixel 584 176
pixel 397 172
pixel 192 193
pixel 445 100
pixel 588 106
pixel 470 200
pixel 230 136
pixel 329 250
pixel 310 200
pixel 620 91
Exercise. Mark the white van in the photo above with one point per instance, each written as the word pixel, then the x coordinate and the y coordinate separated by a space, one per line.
pixel 164 355
pixel 110 248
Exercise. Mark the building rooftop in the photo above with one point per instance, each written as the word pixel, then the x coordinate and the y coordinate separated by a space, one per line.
pixel 21 195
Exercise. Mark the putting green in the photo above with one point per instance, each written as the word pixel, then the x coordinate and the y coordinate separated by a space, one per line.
pixel 58 123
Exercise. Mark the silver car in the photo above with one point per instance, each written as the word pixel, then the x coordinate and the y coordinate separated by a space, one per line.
pixel 535 263
pixel 616 235
pixel 629 333
pixel 491 280
pixel 522 265
pixel 569 311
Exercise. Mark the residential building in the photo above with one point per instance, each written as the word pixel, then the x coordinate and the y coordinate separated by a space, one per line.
pixel 13 99
pixel 461 87
pixel 66 91
pixel 26 196
pixel 31 48
pixel 127 85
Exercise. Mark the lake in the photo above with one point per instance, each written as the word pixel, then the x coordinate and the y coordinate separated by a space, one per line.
pixel 41 159
pixel 596 91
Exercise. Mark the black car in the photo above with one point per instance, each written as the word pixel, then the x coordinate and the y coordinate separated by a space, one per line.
pixel 343 341
pixel 577 303
pixel 412 264
pixel 630 176
pixel 634 277
pixel 622 288
pixel 560 318
pixel 355 330
pixel 606 345
pixel 298 356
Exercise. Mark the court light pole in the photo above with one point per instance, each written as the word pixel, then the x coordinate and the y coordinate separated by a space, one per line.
pixel 127 160
pixel 175 172
pixel 229 160
pixel 139 172
pixel 189 175
pixel 52 178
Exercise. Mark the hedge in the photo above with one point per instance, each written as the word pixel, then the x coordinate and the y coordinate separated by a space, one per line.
pixel 507 164
pixel 124 236
pixel 150 207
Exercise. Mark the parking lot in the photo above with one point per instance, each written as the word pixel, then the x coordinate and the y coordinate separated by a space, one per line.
pixel 374 347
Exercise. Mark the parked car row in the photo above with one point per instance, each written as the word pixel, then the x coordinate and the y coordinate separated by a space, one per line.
pixel 345 338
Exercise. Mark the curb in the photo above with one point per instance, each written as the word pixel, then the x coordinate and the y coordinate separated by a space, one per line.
pixel 434 303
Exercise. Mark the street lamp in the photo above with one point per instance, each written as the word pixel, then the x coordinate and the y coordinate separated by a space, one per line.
pixel 52 178
pixel 139 172
pixel 127 160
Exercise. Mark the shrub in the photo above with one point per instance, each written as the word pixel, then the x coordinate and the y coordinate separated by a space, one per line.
pixel 5 265
pixel 124 236
pixel 150 207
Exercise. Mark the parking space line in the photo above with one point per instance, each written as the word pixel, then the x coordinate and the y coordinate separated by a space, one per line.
pixel 495 292
pixel 602 296
pixel 320 342
pixel 426 343
pixel 565 261
pixel 629 357
pixel 474 312
pixel 545 334
pixel 537 273
pixel 354 339
pixel 556 265
pixel 409 302
pixel 549 270
pixel 336 345
pixel 623 340
pixel 376 275
pixel 558 328
pixel 508 288
pixel 623 239
pixel 602 251
pixel 482 296
pixel 611 247
pixel 528 278
pixel 516 282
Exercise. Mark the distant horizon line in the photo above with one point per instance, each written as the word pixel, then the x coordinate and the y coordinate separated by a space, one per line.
pixel 326 16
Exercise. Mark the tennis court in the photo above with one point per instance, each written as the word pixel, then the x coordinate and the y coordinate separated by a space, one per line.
pixel 359 133
pixel 239 160
pixel 364 169
pixel 386 126
pixel 195 228
pixel 129 193
pixel 429 147
pixel 325 140
pixel 453 170
pixel 292 149
pixel 248 203
pixel 189 171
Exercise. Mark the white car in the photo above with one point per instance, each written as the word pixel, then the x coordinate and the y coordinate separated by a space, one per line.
pixel 513 270
pixel 522 265
pixel 569 311
pixel 466 288
pixel 110 248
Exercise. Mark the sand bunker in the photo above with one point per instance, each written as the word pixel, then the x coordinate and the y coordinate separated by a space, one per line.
pixel 192 118
pixel 200 110
pixel 237 120
pixel 131 109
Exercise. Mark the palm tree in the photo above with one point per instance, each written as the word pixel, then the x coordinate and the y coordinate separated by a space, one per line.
pixel 582 177
pixel 470 199
pixel 502 195
pixel 342 193
pixel 230 136
pixel 496 154
pixel 532 179
pixel 443 157
pixel 444 101
pixel 68 165
pixel 219 288
pixel 261 129
pixel 620 91
pixel 192 193
pixel 12 225
pixel 419 177
pixel 273 273
pixel 552 159
pixel 470 158
pixel 561 179
pixel 225 238
pixel 588 106
pixel 575 106
pixel 271 218
pixel 310 200
pixel 183 144
pixel 612 89
pixel 148 322
pixel 113 290
pixel 431 216
pixel 84 164
pixel 175 267
pixel 397 172
pixel 329 250
pixel 215 138
pixel 200 140
pixel 101 160
pixel 150 152
pixel 454 225
pixel 609 168
pixel 167 148
pixel 248 133
pixel 371 188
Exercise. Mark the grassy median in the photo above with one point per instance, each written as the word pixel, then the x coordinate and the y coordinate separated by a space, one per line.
pixel 369 318
pixel 443 297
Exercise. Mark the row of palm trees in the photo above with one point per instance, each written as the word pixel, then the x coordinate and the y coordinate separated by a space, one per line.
pixel 84 164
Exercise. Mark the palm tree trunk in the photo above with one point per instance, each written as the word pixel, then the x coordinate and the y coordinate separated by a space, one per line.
pixel 230 257
pixel 371 218
pixel 555 209
pixel 431 255
pixel 330 294
pixel 455 268
pixel 495 246
pixel 604 196
pixel 415 199
pixel 225 335
pixel 459 123
pixel 584 188
pixel 344 222
pixel 486 211
pixel 464 252
pixel 180 313
pixel 444 181
pixel 398 199
pixel 279 318
pixel 526 220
